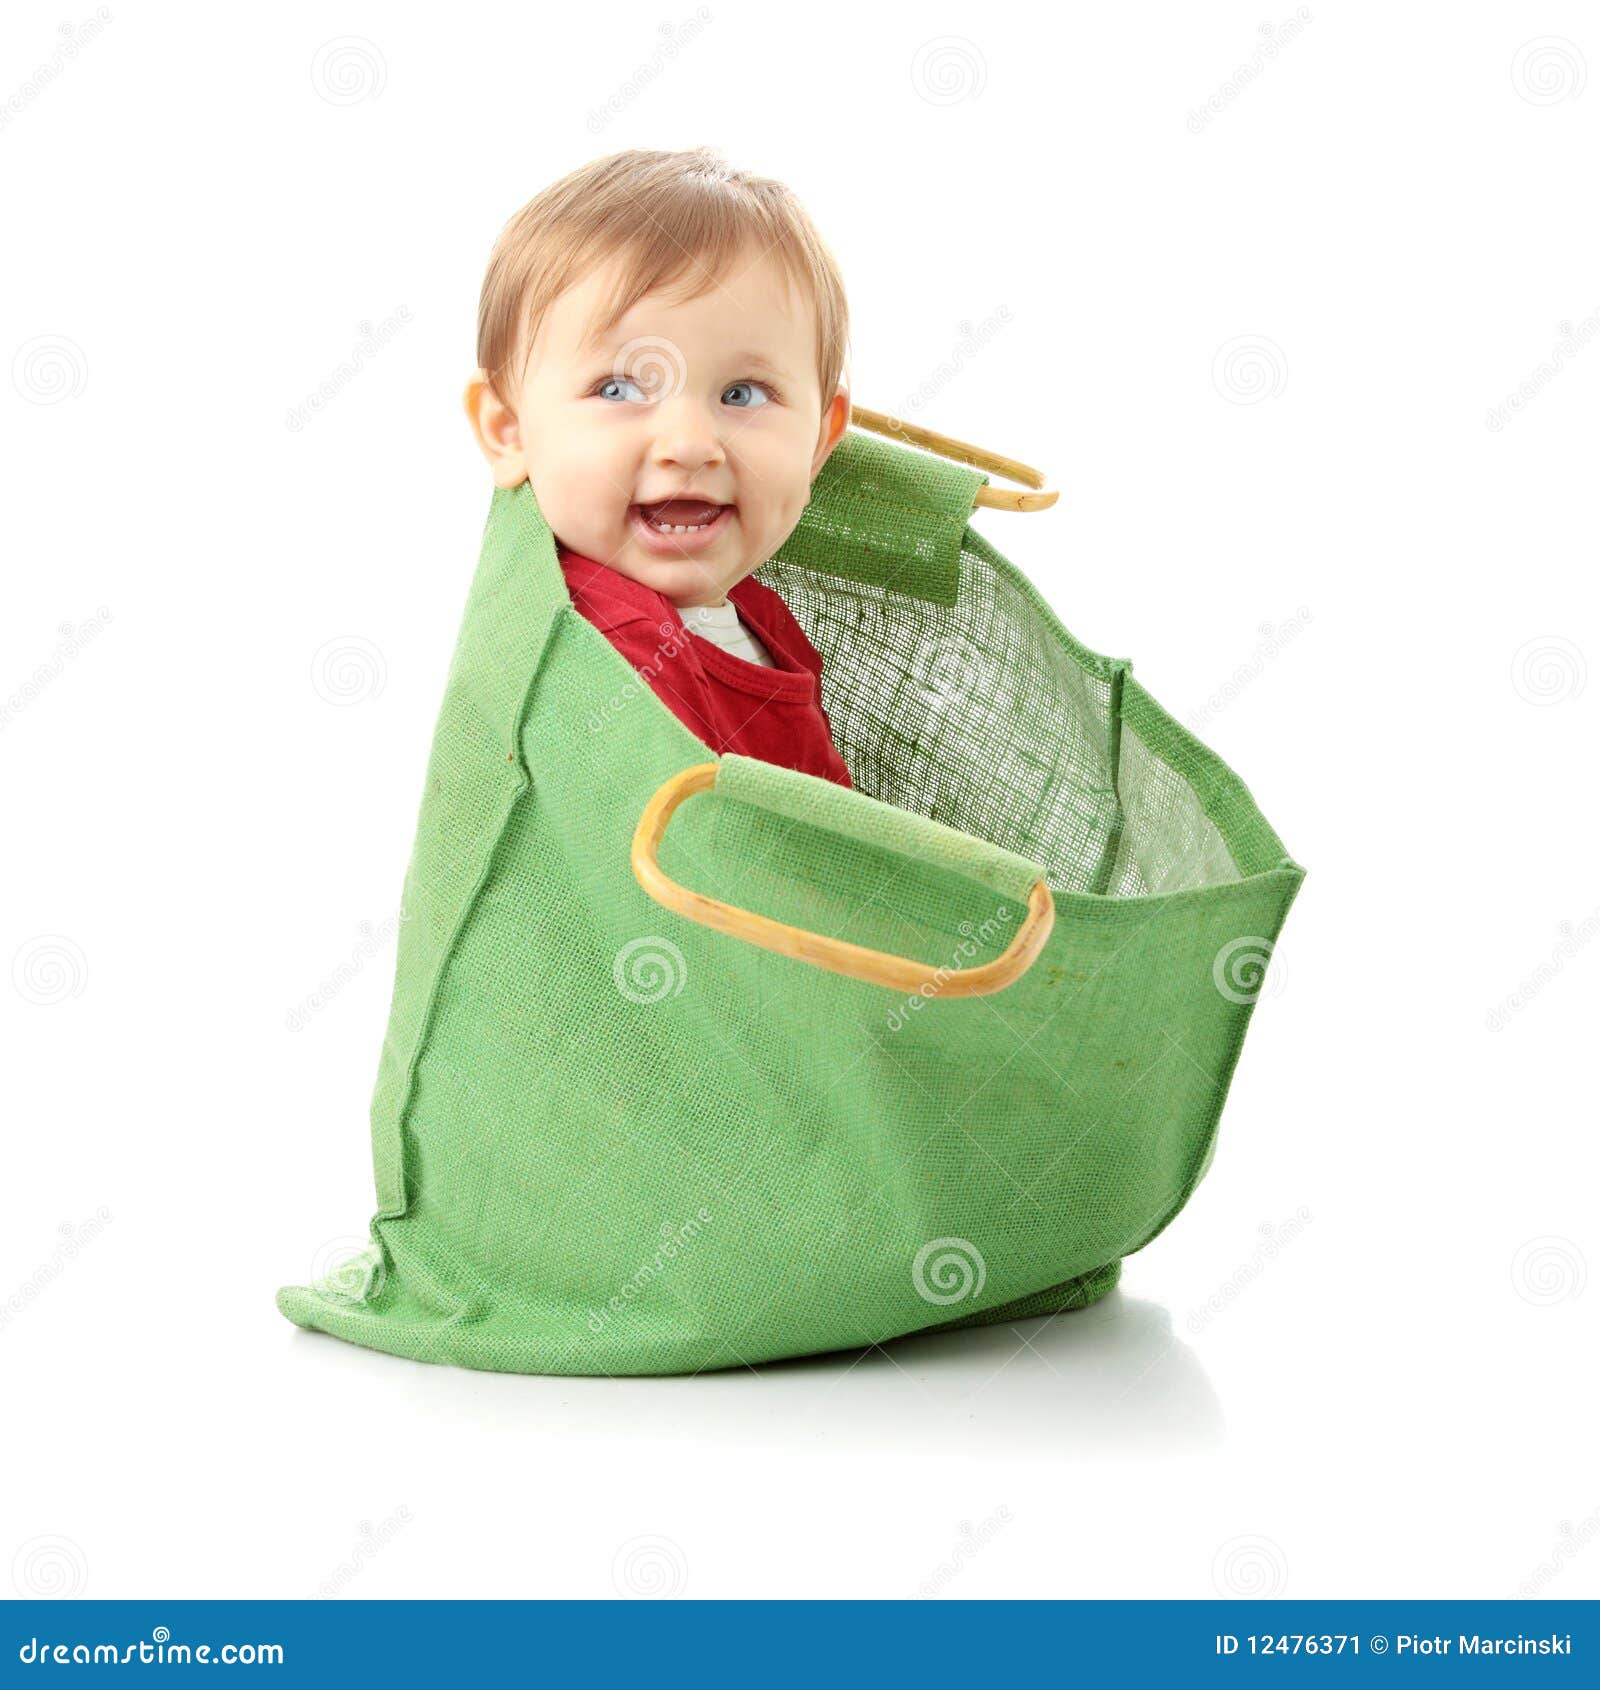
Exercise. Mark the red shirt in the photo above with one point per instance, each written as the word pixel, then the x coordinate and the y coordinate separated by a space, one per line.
pixel 732 704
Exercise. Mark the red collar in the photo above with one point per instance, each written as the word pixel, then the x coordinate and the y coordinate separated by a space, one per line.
pixel 758 606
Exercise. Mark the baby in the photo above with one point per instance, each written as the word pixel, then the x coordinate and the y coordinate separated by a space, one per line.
pixel 662 341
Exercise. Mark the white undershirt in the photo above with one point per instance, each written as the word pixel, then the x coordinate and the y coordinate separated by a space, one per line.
pixel 720 624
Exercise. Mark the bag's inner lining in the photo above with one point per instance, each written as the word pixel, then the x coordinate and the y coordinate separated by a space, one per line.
pixel 978 716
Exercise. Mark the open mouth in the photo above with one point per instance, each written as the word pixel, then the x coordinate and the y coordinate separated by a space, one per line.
pixel 681 516
pixel 675 524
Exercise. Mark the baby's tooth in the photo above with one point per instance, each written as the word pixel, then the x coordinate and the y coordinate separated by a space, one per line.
pixel 680 527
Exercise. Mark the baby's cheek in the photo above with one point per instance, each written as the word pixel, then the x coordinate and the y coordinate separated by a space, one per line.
pixel 777 524
pixel 794 501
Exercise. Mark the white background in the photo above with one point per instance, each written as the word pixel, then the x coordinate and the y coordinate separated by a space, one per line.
pixel 1394 216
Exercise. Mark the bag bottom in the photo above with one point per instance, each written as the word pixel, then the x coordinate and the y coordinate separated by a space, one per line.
pixel 454 1341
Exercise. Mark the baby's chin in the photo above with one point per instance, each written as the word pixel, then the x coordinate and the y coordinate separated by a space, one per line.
pixel 685 581
pixel 697 577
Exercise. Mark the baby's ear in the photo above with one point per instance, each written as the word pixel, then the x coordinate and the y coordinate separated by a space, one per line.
pixel 835 420
pixel 494 424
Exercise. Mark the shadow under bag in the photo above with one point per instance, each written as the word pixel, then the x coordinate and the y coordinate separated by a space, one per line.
pixel 936 1051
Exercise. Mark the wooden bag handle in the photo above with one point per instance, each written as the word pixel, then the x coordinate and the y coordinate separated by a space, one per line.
pixel 996 498
pixel 881 968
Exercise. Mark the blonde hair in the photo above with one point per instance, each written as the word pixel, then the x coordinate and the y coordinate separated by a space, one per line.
pixel 668 217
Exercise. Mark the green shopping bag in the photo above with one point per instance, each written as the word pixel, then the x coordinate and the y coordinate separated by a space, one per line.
pixel 614 1132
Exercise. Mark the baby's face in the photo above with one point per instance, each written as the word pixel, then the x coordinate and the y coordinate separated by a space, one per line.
pixel 711 399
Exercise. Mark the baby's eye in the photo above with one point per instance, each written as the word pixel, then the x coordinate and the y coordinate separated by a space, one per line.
pixel 758 393
pixel 601 388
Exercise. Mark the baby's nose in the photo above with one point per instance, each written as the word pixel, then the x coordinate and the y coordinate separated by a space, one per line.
pixel 687 435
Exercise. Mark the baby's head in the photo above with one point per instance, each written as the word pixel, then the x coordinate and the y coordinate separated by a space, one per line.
pixel 654 326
